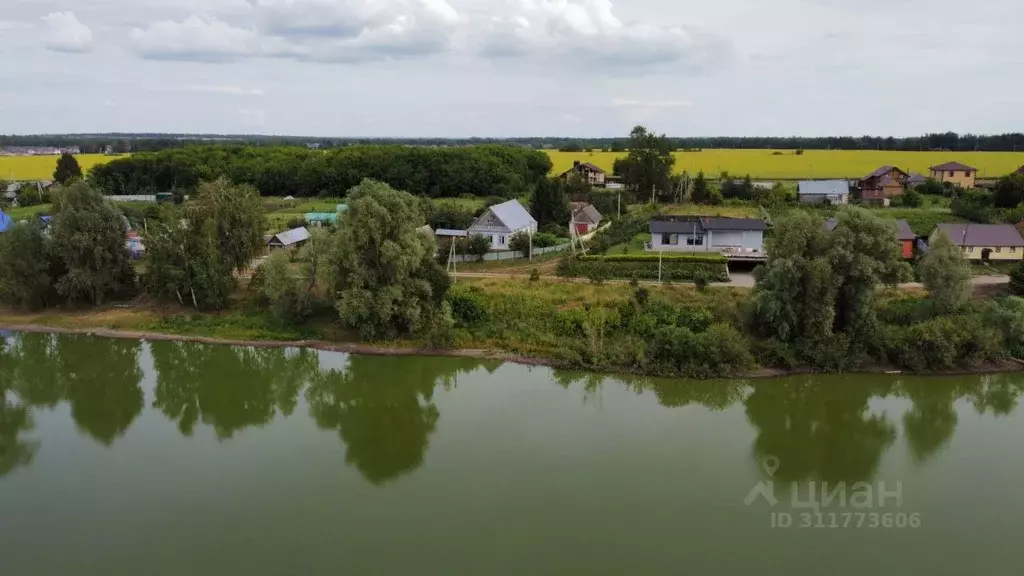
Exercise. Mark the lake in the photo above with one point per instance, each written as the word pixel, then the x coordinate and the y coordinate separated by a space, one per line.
pixel 128 457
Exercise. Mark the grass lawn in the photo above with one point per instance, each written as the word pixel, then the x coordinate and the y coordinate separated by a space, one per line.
pixel 472 204
pixel 749 211
pixel 26 213
pixel 634 246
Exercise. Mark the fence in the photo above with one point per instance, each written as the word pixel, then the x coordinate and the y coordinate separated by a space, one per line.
pixel 134 198
pixel 507 255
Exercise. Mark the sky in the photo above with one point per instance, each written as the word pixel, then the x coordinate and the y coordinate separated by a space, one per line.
pixel 507 68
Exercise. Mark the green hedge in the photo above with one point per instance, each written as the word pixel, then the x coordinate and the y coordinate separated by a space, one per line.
pixel 646 258
pixel 675 269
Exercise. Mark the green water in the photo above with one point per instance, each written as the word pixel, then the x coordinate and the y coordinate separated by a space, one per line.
pixel 124 457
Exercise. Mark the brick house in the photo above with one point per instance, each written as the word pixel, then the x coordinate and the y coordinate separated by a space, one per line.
pixel 956 173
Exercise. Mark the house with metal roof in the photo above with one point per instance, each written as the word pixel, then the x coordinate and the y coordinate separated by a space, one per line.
pixel 823 192
pixel 585 218
pixel 734 237
pixel 956 173
pixel 289 239
pixel 983 242
pixel 501 221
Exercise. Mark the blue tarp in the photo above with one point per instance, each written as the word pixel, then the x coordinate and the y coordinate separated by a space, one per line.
pixel 5 221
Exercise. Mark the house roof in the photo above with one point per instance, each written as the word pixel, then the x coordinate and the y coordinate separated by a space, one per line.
pixel 14 187
pixel 449 233
pixel 903 231
pixel 701 224
pixel 512 215
pixel 290 237
pixel 823 187
pixel 953 167
pixel 916 178
pixel 582 212
pixel 1020 170
pixel 883 171
pixel 982 234
pixel 586 165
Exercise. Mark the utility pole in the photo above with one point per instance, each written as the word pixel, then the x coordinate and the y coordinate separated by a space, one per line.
pixel 618 199
pixel 660 253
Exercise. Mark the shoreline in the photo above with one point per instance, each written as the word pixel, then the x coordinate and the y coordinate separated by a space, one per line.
pixel 1011 366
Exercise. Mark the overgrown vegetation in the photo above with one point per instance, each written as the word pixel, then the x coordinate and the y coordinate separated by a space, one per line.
pixel 700 268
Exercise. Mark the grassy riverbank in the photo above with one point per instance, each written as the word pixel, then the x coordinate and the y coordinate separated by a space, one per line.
pixel 659 330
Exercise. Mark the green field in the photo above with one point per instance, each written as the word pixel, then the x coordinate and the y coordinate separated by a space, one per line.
pixel 41 167
pixel 811 164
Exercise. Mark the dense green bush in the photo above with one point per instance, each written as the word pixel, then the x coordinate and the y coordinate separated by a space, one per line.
pixel 942 343
pixel 675 269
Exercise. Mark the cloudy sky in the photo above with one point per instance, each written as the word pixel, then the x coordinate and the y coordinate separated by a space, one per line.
pixel 512 67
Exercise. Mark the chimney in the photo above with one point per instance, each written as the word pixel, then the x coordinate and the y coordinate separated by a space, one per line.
pixel 575 163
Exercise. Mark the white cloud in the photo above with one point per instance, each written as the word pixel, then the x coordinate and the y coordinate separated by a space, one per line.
pixel 589 30
pixel 66 33
pixel 231 90
pixel 197 38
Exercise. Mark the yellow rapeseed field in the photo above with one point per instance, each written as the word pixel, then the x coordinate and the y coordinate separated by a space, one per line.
pixel 42 167
pixel 811 164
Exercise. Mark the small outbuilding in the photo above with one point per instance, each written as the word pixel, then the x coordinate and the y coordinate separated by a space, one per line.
pixel 833 192
pixel 585 218
pixel 289 239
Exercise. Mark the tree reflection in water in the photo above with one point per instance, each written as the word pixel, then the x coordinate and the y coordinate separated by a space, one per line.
pixel 383 409
pixel 228 388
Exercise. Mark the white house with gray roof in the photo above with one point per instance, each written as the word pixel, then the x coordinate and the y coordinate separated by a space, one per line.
pixel 501 221
pixel 824 191
pixel 728 236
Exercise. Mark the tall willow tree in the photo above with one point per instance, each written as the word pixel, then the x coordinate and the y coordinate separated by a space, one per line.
pixel 385 278
pixel 193 250
pixel 817 287
pixel 88 244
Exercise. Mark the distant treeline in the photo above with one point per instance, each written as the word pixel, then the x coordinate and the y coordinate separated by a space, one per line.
pixel 149 142
pixel 282 171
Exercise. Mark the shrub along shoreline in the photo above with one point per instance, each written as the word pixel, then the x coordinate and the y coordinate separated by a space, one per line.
pixel 609 328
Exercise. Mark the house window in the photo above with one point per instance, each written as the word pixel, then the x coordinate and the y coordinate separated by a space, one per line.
pixel 951 173
pixel 699 241
pixel 999 249
pixel 501 240
pixel 1013 249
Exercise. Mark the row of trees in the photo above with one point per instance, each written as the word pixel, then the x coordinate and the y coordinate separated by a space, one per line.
pixel 377 271
pixel 145 142
pixel 818 292
pixel 281 171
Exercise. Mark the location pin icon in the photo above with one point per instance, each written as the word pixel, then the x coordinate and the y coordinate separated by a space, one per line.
pixel 770 465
